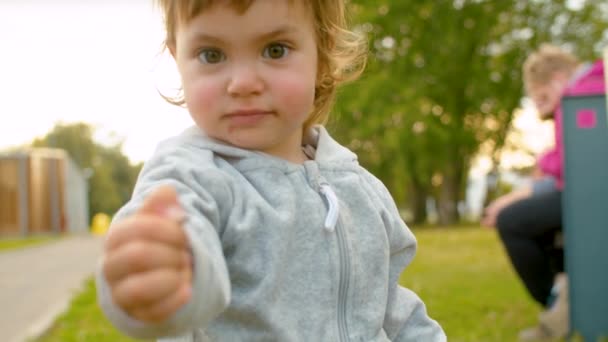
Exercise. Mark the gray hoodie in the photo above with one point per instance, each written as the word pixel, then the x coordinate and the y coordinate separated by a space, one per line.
pixel 282 251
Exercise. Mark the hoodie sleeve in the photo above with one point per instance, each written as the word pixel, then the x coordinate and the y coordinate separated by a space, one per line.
pixel 406 318
pixel 200 193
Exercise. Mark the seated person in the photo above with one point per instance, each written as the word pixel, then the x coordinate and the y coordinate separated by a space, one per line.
pixel 529 219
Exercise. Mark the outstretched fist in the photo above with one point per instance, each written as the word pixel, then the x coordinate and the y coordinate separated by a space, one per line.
pixel 147 260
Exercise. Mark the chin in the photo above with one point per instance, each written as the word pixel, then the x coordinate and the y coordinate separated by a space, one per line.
pixel 546 116
pixel 246 143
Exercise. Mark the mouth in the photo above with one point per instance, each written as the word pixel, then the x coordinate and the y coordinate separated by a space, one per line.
pixel 247 117
pixel 248 112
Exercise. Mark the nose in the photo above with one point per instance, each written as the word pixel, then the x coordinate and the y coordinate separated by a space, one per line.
pixel 245 80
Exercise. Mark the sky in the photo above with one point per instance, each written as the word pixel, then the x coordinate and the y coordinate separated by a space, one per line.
pixel 99 62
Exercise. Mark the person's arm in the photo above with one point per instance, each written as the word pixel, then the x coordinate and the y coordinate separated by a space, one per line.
pixel 406 318
pixel 538 186
pixel 491 212
pixel 543 185
pixel 210 280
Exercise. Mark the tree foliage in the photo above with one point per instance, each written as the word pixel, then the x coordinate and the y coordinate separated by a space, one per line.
pixel 442 83
pixel 112 175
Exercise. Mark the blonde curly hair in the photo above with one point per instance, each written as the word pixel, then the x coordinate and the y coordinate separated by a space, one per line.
pixel 541 66
pixel 342 53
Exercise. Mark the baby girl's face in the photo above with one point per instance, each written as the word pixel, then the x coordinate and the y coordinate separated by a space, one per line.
pixel 249 78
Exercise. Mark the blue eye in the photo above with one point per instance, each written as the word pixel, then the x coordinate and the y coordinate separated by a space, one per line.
pixel 275 51
pixel 211 56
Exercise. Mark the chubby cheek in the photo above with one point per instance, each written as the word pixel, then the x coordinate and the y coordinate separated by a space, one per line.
pixel 203 98
pixel 295 95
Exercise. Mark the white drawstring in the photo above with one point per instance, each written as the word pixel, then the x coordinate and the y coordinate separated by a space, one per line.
pixel 334 209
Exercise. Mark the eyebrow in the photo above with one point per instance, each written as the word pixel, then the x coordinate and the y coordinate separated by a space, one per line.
pixel 282 30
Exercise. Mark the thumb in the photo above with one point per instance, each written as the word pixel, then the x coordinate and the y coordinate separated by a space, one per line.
pixel 163 201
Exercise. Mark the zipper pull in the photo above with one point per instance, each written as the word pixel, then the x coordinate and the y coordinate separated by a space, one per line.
pixel 333 211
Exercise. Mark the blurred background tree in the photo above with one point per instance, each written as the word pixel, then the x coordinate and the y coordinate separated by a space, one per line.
pixel 442 84
pixel 112 174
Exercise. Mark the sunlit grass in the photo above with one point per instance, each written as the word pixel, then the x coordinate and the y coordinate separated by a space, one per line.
pixel 8 244
pixel 468 285
pixel 462 274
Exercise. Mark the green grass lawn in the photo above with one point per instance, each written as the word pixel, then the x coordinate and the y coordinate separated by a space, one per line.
pixel 16 243
pixel 83 322
pixel 462 274
pixel 468 285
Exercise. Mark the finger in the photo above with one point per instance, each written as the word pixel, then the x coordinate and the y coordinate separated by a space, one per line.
pixel 146 227
pixel 140 256
pixel 163 201
pixel 489 220
pixel 490 211
pixel 164 308
pixel 143 289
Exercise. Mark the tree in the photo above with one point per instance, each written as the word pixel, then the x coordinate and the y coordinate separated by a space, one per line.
pixel 443 79
pixel 113 176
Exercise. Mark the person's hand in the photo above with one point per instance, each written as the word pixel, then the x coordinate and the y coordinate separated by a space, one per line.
pixel 493 209
pixel 147 260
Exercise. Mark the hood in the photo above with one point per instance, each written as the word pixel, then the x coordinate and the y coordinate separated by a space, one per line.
pixel 327 150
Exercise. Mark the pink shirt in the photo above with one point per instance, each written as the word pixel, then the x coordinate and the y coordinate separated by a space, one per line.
pixel 591 82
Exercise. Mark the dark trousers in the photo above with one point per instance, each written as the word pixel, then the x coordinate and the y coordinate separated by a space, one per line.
pixel 528 229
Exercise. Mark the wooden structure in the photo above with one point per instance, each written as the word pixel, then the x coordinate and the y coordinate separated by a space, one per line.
pixel 41 191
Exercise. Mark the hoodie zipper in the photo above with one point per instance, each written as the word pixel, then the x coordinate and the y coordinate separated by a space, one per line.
pixel 332 222
pixel 343 287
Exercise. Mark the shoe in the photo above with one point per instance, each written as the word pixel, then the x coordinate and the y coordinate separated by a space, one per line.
pixel 535 334
pixel 557 318
pixel 554 323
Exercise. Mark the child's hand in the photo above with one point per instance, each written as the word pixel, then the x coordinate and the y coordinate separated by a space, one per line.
pixel 147 259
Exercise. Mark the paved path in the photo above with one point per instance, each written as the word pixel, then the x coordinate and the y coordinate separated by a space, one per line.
pixel 37 283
